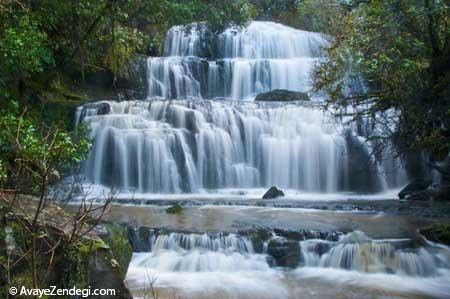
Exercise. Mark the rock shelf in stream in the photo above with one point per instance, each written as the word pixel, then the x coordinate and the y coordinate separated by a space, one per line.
pixel 282 95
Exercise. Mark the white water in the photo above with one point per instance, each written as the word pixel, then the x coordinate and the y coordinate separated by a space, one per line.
pixel 198 266
pixel 356 251
pixel 183 146
pixel 262 57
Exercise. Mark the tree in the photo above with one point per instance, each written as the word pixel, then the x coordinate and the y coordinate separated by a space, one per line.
pixel 321 15
pixel 32 161
pixel 401 50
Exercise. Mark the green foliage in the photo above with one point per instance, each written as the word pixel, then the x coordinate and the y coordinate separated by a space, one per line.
pixel 217 13
pixel 23 49
pixel 321 15
pixel 117 241
pixel 401 50
pixel 3 174
pixel 126 42
pixel 34 153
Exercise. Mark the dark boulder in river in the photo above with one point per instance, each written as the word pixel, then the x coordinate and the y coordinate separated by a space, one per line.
pixel 423 195
pixel 273 192
pixel 282 95
pixel 417 185
pixel 442 193
pixel 437 232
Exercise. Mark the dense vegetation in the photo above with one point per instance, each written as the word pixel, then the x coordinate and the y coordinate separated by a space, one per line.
pixel 401 51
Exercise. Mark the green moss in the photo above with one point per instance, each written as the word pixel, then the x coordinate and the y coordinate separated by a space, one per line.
pixel 74 265
pixel 437 232
pixel 175 209
pixel 117 240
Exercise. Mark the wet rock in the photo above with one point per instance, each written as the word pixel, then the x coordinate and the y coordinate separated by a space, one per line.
pixel 100 108
pixel 363 174
pixel 133 74
pixel 282 95
pixel 438 232
pixel 420 195
pixel 105 273
pixel 258 237
pixel 442 193
pixel 273 192
pixel 286 253
pixel 415 186
pixel 140 238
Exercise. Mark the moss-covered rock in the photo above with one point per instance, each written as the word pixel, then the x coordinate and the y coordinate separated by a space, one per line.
pixel 286 253
pixel 106 273
pixel 282 95
pixel 175 209
pixel 437 232
pixel 117 241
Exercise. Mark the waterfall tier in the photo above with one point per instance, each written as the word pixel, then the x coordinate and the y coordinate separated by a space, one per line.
pixel 261 57
pixel 354 251
pixel 185 146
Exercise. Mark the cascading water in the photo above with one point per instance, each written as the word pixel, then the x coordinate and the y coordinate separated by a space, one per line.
pixel 356 251
pixel 183 146
pixel 161 146
pixel 195 262
pixel 262 57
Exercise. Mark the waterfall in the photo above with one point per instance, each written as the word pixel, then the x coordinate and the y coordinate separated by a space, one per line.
pixel 185 146
pixel 205 265
pixel 353 251
pixel 179 252
pixel 264 56
pixel 189 145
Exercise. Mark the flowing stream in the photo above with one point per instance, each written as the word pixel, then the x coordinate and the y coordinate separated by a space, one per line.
pixel 201 141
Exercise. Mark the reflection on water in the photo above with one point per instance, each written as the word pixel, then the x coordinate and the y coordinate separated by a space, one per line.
pixel 232 218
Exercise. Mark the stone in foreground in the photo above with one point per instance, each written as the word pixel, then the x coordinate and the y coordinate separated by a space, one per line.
pixel 415 186
pixel 273 192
